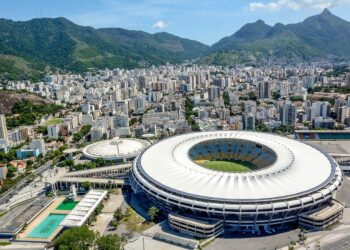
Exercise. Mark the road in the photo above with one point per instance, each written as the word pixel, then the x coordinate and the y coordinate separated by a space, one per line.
pixel 25 181
pixel 342 244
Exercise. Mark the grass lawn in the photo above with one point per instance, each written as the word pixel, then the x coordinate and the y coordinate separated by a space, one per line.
pixel 229 166
pixel 2 214
pixel 135 222
pixel 67 205
pixel 53 121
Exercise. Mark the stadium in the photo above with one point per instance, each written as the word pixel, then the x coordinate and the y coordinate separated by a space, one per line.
pixel 117 149
pixel 238 181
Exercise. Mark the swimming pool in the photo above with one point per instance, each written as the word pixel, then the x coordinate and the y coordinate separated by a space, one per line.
pixel 67 205
pixel 47 226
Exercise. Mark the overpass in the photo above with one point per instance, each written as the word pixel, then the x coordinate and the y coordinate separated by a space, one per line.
pixel 99 178
pixel 115 171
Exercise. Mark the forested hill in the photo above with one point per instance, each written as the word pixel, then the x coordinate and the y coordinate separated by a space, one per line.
pixel 26 47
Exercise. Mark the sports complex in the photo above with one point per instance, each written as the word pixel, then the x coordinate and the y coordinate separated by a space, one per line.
pixel 116 150
pixel 239 181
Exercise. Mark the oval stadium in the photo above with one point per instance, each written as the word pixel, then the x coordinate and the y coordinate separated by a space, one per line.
pixel 236 181
pixel 117 149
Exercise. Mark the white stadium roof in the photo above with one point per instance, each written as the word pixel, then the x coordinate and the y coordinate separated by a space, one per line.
pixel 115 149
pixel 299 169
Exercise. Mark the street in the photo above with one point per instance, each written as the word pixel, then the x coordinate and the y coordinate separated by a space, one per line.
pixel 5 197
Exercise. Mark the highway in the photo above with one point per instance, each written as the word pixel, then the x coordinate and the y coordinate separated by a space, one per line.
pixel 25 181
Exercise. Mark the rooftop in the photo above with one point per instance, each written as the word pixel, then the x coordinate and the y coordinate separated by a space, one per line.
pixel 291 174
pixel 81 212
pixel 115 149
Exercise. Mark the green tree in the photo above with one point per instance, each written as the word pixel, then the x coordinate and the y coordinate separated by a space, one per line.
pixel 226 99
pixel 76 238
pixel 252 96
pixel 41 130
pixel 118 214
pixel 153 213
pixel 86 185
pixel 11 172
pixel 109 242
pixel 100 162
pixel 296 98
pixel 276 95
pixel 69 163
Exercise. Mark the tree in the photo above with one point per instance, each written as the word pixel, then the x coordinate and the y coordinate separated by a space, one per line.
pixel 296 98
pixel 30 163
pixel 100 162
pixel 226 99
pixel 153 213
pixel 118 214
pixel 76 238
pixel 252 96
pixel 86 185
pixel 11 172
pixel 109 242
pixel 276 95
pixel 69 163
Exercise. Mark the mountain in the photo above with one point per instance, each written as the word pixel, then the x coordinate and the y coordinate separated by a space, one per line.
pixel 26 47
pixel 8 99
pixel 317 36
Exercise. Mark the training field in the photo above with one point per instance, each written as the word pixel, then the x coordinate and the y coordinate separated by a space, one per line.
pixel 229 166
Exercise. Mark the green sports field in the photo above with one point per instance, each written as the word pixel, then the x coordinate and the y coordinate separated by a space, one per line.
pixel 53 121
pixel 67 205
pixel 229 166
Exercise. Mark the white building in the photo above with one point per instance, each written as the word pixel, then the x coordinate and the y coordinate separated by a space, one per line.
pixel 53 131
pixel 3 172
pixel 3 128
pixel 97 133
pixel 38 144
pixel 87 119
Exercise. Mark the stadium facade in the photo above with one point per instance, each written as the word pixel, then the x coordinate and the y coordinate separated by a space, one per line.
pixel 290 179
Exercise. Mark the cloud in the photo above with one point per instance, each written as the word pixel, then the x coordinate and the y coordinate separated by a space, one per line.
pixel 160 25
pixel 296 4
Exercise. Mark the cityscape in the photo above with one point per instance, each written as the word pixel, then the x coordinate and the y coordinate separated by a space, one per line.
pixel 121 139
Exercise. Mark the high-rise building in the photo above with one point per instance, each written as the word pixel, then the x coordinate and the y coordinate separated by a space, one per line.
pixel 97 133
pixel 3 128
pixel 248 121
pixel 264 90
pixel 343 113
pixel 347 80
pixel 288 114
pixel 53 131
pixel 139 104
pixel 121 121
pixel 308 81
pixel 284 88
pixel 213 93
pixel 38 144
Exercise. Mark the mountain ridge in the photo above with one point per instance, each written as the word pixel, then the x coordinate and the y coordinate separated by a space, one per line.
pixel 60 43
pixel 317 36
pixel 26 47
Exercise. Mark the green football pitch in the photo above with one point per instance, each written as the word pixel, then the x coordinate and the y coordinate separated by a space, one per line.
pixel 229 166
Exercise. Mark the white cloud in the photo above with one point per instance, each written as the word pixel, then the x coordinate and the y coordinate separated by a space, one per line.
pixel 296 4
pixel 160 25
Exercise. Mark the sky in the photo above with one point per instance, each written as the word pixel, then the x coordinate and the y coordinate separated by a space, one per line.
pixel 206 21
